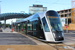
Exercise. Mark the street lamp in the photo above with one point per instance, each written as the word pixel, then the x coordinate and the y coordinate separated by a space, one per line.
pixel 67 20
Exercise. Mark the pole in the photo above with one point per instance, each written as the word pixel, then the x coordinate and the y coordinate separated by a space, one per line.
pixel 67 23
pixel 4 23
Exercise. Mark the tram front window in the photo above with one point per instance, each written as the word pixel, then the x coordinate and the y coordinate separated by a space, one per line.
pixel 55 24
pixel 54 20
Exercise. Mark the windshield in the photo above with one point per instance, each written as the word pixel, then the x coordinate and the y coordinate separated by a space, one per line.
pixel 54 21
pixel 55 24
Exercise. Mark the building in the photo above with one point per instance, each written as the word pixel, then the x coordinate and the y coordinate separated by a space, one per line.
pixel 65 14
pixel 71 19
pixel 37 8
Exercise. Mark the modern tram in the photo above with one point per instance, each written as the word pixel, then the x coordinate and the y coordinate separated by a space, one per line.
pixel 45 26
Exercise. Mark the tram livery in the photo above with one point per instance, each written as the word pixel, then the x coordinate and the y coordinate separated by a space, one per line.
pixel 44 26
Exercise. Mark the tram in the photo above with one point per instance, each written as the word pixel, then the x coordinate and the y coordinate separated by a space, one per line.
pixel 45 26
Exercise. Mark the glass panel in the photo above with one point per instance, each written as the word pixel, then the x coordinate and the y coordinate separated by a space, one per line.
pixel 24 27
pixel 20 27
pixel 55 24
pixel 29 26
pixel 34 33
pixel 45 25
pixel 34 26
pixel 54 20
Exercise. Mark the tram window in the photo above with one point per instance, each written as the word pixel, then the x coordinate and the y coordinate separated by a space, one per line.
pixel 54 20
pixel 24 26
pixel 34 26
pixel 20 27
pixel 29 26
pixel 45 25
pixel 55 24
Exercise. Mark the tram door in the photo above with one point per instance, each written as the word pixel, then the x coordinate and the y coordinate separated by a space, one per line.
pixel 34 29
pixel 21 27
pixel 40 33
pixel 18 27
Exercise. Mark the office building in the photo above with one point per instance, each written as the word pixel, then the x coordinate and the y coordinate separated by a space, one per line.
pixel 71 19
pixel 36 9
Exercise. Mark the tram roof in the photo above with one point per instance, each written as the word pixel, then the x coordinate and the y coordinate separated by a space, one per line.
pixel 32 17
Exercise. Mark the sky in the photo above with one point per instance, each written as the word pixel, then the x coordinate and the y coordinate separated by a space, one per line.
pixel 16 6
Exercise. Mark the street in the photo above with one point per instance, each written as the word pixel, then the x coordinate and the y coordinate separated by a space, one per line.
pixel 69 38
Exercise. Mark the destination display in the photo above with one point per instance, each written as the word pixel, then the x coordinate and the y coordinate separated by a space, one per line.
pixel 52 17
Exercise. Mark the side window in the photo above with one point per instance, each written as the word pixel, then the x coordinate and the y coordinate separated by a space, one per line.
pixel 34 26
pixel 45 25
pixel 24 26
pixel 29 26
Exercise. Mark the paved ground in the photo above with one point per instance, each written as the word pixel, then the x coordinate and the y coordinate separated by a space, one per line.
pixel 15 39
pixel 69 38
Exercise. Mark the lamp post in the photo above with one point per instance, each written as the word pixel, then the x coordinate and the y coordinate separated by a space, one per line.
pixel 67 20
